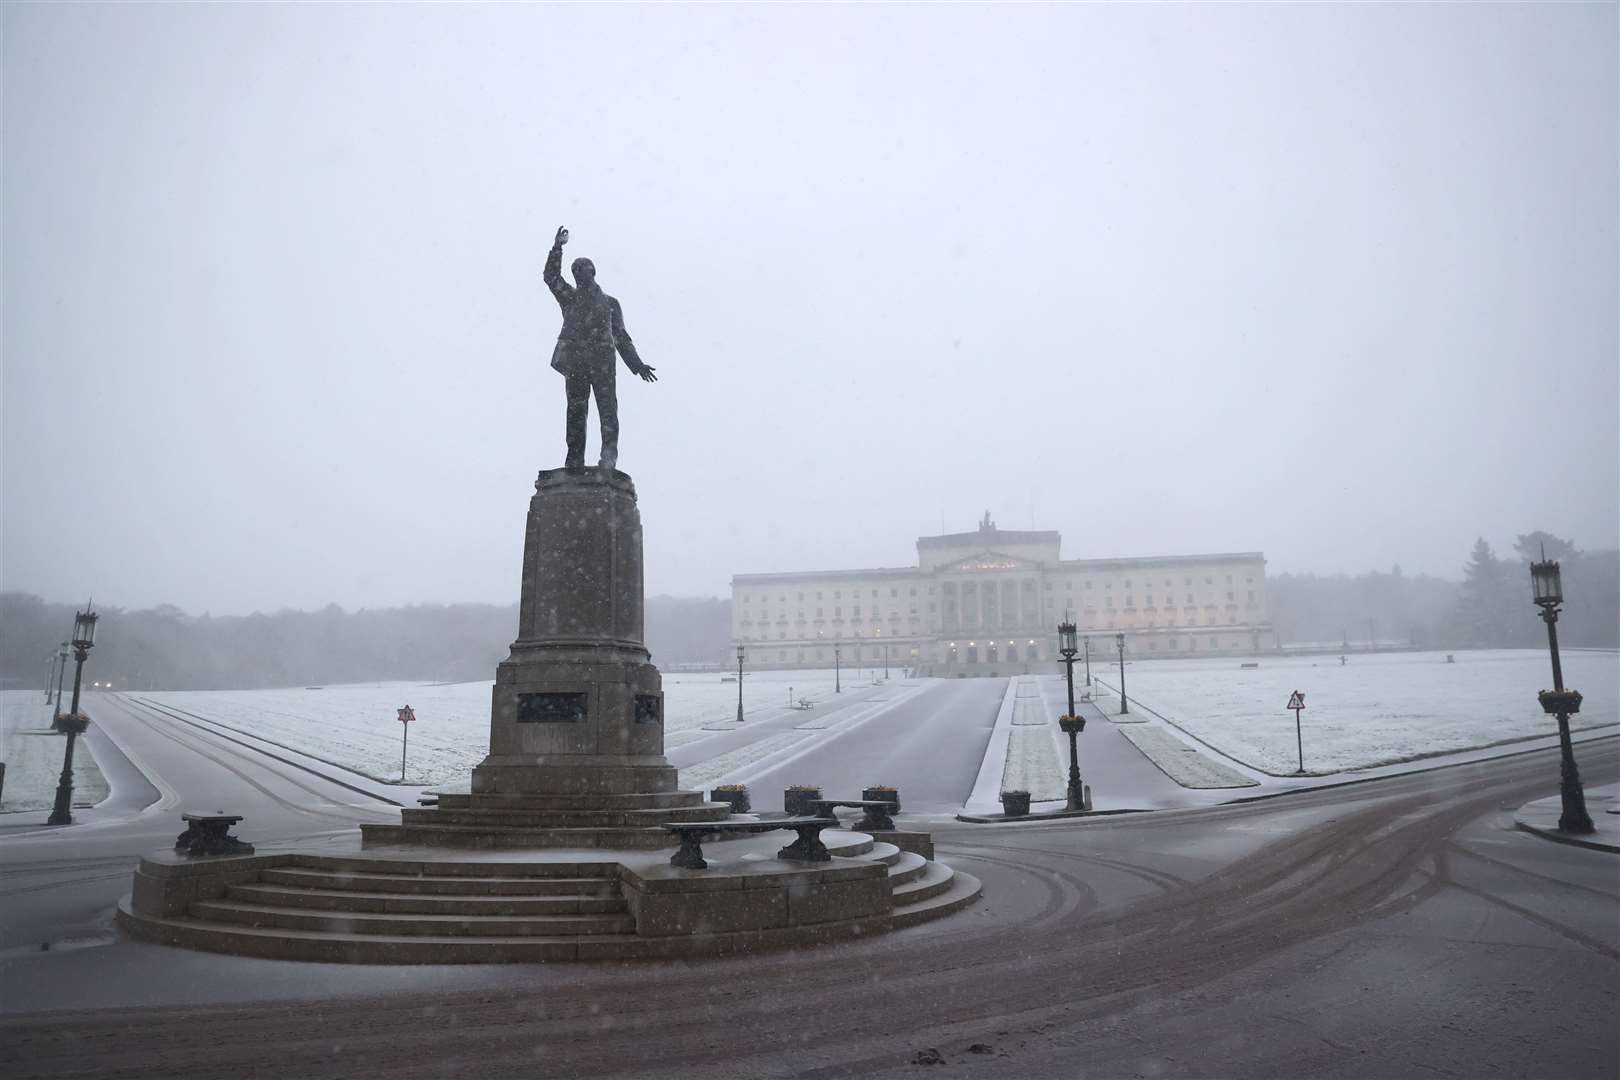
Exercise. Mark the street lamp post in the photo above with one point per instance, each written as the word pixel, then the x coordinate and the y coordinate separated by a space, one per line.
pixel 1549 594
pixel 1123 709
pixel 739 683
pixel 61 670
pixel 1071 724
pixel 885 662
pixel 838 685
pixel 84 637
pixel 1088 661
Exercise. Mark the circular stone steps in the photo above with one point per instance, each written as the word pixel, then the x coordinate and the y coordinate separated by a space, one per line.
pixel 396 904
pixel 316 878
pixel 390 909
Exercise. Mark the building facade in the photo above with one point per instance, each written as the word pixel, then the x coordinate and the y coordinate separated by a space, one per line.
pixel 995 597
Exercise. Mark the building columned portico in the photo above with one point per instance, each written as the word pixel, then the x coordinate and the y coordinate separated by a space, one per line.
pixel 995 596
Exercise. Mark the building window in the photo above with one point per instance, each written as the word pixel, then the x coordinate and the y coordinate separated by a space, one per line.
pixel 838 612
pixel 855 611
pixel 838 596
pixel 1214 642
pixel 1231 596
pixel 801 598
pixel 1251 596
pixel 818 613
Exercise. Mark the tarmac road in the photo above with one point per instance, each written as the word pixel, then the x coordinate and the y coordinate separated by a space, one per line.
pixel 1399 927
pixel 929 746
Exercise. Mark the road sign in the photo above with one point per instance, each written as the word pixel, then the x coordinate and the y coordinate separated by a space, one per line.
pixel 1296 701
pixel 406 715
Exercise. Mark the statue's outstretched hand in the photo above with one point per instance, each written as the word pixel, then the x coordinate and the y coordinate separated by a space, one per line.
pixel 646 372
pixel 562 236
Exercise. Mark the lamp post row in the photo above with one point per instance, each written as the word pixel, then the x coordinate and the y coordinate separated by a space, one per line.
pixel 84 638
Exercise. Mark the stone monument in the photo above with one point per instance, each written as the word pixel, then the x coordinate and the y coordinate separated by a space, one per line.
pixel 578 708
pixel 576 731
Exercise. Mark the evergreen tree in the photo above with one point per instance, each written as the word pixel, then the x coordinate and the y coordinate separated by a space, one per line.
pixel 1481 615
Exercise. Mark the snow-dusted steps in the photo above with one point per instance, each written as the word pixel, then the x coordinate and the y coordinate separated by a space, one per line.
pixel 488 820
pixel 415 907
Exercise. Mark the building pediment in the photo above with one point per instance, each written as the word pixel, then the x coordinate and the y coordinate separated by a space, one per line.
pixel 988 562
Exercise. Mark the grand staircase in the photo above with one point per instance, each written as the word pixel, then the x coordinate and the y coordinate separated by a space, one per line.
pixel 378 911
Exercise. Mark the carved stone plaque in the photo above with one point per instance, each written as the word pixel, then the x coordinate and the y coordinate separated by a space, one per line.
pixel 551 708
pixel 649 709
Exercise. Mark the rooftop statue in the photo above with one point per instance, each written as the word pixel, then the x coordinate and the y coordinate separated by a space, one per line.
pixel 592 331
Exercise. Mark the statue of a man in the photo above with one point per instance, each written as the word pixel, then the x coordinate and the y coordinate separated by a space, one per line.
pixel 592 331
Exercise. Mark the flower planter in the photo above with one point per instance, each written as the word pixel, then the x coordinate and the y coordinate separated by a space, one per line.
pixel 737 798
pixel 1015 803
pixel 883 794
pixel 795 800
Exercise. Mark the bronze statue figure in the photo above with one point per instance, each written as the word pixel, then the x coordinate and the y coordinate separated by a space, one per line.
pixel 592 331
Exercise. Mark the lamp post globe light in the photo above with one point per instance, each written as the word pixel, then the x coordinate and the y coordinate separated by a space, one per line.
pixel 1547 587
pixel 1071 724
pixel 1123 708
pixel 740 650
pixel 84 638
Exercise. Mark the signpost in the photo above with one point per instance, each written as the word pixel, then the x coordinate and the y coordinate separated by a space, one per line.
pixel 406 715
pixel 1296 701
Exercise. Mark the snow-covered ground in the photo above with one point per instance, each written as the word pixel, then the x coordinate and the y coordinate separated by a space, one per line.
pixel 33 756
pixel 356 726
pixel 1376 709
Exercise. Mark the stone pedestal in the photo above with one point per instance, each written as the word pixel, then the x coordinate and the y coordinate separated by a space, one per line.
pixel 576 728
pixel 577 708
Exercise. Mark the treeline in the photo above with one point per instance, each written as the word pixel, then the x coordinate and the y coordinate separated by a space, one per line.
pixel 164 648
pixel 1489 608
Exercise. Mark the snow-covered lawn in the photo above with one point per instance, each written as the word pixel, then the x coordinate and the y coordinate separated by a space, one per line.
pixel 356 726
pixel 33 756
pixel 1375 710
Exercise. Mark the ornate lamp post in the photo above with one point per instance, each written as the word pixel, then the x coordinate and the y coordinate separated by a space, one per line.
pixel 84 637
pixel 61 670
pixel 739 683
pixel 1549 594
pixel 1088 661
pixel 1071 724
pixel 838 685
pixel 885 662
pixel 1123 709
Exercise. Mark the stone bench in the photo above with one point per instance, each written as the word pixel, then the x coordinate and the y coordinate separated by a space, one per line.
pixel 877 811
pixel 210 834
pixel 807 848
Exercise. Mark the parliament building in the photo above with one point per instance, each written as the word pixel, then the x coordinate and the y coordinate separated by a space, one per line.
pixel 992 599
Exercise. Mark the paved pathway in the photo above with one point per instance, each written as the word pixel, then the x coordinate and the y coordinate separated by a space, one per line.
pixel 1221 941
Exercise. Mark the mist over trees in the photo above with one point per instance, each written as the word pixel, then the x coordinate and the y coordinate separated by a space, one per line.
pixel 1489 608
pixel 165 648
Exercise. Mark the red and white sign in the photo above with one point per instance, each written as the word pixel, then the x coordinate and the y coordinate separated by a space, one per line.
pixel 1296 700
pixel 406 715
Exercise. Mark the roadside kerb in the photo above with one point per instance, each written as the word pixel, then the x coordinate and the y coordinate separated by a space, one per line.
pixel 986 795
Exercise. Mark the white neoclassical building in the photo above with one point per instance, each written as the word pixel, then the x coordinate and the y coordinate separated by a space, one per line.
pixel 994 597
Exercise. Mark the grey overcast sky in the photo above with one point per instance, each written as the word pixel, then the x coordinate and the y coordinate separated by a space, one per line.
pixel 1334 282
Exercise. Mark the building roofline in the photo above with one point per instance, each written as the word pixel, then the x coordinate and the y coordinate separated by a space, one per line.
pixel 825 575
pixel 1167 560
pixel 1010 536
